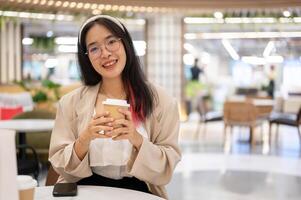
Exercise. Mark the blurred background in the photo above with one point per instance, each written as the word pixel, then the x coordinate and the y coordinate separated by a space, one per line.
pixel 234 67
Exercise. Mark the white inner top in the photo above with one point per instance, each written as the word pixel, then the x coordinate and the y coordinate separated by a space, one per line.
pixel 109 158
pixel 116 102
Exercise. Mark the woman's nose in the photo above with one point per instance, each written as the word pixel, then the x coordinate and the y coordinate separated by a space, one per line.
pixel 105 53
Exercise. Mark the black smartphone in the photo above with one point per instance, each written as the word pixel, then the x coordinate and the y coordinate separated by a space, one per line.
pixel 64 189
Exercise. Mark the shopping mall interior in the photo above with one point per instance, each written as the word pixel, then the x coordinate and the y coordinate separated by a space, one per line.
pixel 234 68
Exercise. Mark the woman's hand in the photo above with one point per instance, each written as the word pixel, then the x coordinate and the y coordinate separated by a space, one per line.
pixel 99 123
pixel 127 130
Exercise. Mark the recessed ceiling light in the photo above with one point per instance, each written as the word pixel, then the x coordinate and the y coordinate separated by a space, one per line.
pixel 286 13
pixel 218 15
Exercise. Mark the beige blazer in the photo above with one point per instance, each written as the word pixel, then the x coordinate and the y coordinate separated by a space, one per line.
pixel 156 159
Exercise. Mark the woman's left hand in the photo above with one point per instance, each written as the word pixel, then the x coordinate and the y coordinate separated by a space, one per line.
pixel 127 130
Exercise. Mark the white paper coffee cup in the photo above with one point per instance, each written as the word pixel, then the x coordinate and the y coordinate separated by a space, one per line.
pixel 112 106
pixel 26 185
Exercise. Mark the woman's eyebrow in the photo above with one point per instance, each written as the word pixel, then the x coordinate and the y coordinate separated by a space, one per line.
pixel 95 42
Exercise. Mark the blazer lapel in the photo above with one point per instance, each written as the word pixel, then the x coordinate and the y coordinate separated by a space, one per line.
pixel 85 107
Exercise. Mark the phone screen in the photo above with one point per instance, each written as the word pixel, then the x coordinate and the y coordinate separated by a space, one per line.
pixel 64 189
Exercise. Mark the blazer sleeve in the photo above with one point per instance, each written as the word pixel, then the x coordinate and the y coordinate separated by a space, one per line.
pixel 156 160
pixel 61 153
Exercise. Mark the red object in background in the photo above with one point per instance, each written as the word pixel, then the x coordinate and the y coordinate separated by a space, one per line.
pixel 8 113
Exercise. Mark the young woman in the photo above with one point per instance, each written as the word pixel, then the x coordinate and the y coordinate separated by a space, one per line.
pixel 142 153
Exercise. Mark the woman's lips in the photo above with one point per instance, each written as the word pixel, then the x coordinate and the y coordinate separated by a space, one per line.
pixel 109 64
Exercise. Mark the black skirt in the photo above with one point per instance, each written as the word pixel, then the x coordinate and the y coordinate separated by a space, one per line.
pixel 131 183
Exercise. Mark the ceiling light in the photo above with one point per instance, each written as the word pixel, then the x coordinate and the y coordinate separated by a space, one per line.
pixel 108 7
pixel 297 19
pixel 128 8
pixel 268 49
pixel 286 13
pixel 65 4
pixel 101 7
pixel 230 49
pixel 240 35
pixel 51 63
pixel 96 12
pixel 80 5
pixel 58 3
pixel 27 41
pixel 285 20
pixel 72 4
pixel 142 9
pixel 149 9
pixel 50 3
pixel 202 20
pixel 136 9
pixel 67 48
pixel 87 5
pixel 218 15
pixel 190 36
pixel 188 59
pixel 66 40
pixel 115 7
pixel 24 14
pixel 253 60
pixel 121 8
pixel 274 59
pixel 248 20
pixel 94 6
pixel 49 33
pixel 43 2
pixel 10 14
pixel 190 48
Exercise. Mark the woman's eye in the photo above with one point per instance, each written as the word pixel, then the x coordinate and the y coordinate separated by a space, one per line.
pixel 93 49
pixel 112 41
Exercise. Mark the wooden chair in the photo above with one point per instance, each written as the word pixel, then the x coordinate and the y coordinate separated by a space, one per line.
pixel 241 114
pixel 52 176
pixel 206 115
pixel 31 164
pixel 285 119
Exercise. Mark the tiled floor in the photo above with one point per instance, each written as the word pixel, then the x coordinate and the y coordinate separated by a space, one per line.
pixel 236 171
pixel 211 170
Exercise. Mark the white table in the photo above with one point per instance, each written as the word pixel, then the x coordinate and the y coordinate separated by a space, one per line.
pixel 96 193
pixel 27 125
pixel 23 126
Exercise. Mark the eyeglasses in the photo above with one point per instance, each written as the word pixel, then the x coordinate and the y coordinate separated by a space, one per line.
pixel 111 44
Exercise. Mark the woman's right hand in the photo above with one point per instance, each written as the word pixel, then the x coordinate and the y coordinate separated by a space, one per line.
pixel 99 122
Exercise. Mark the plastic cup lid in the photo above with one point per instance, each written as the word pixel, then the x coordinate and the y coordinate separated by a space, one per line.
pixel 116 102
pixel 26 182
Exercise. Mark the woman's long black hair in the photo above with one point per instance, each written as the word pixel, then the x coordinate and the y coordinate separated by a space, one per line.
pixel 140 95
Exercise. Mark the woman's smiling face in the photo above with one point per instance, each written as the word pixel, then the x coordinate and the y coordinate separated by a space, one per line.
pixel 106 52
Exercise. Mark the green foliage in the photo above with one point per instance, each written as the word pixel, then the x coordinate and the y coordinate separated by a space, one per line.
pixel 40 96
pixel 47 90
pixel 43 43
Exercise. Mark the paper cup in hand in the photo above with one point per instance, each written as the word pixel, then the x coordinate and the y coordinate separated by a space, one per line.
pixel 26 185
pixel 112 106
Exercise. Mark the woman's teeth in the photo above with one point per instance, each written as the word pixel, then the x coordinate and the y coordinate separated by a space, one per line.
pixel 109 64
